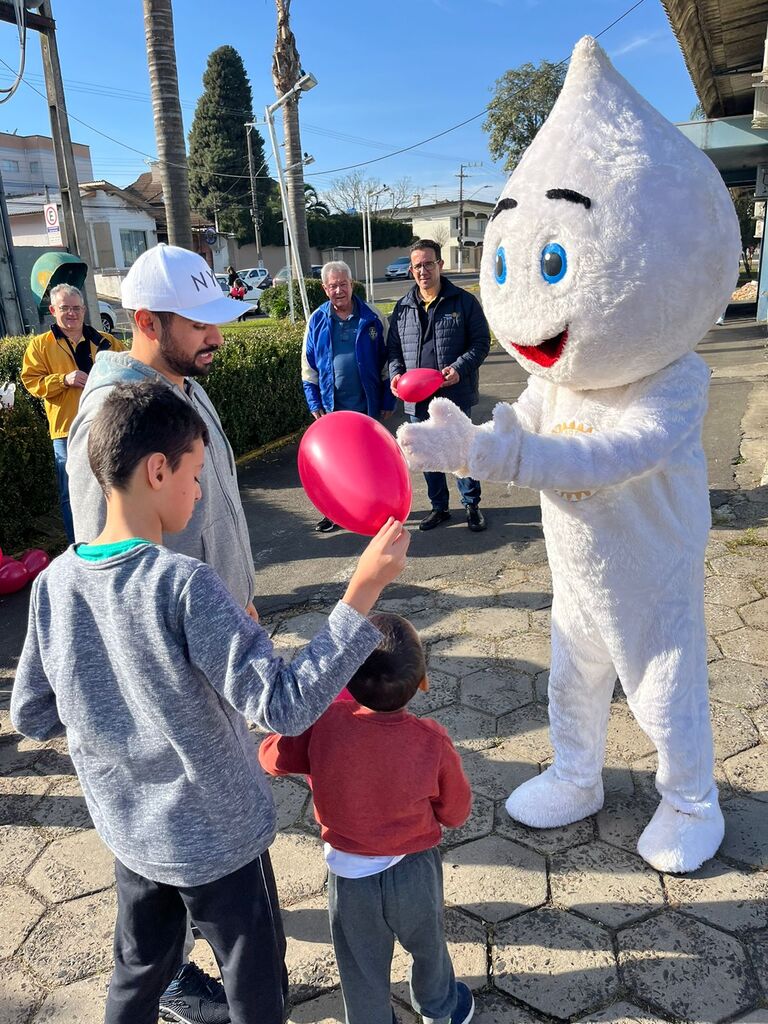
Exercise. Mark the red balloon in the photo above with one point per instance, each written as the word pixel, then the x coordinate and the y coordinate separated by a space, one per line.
pixel 416 385
pixel 13 576
pixel 34 561
pixel 354 472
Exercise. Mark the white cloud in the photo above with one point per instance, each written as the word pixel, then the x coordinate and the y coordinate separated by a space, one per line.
pixel 636 43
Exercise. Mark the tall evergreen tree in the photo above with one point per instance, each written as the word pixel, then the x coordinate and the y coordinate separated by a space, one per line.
pixel 219 183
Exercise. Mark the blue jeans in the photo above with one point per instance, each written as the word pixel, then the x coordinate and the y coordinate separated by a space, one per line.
pixel 62 480
pixel 437 485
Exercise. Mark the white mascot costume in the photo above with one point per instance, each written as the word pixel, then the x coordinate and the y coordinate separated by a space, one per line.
pixel 610 254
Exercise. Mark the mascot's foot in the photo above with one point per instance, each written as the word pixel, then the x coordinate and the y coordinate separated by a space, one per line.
pixel 677 842
pixel 550 802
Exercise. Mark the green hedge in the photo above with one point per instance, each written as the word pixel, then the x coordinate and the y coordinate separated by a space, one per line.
pixel 274 300
pixel 255 385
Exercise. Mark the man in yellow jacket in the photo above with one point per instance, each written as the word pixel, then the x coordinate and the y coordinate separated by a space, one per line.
pixel 55 368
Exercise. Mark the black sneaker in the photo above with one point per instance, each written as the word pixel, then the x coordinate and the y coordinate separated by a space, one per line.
pixel 475 519
pixel 465 1005
pixel 325 525
pixel 434 518
pixel 193 997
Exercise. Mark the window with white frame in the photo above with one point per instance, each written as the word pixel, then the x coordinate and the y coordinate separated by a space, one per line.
pixel 134 243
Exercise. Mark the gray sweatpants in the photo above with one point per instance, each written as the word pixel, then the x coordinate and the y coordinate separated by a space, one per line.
pixel 405 902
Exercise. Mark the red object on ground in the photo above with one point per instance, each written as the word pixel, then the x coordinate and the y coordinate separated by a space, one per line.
pixel 416 385
pixel 354 473
pixel 34 561
pixel 13 576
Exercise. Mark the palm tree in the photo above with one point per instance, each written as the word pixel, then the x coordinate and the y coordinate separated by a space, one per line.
pixel 169 129
pixel 314 204
pixel 286 71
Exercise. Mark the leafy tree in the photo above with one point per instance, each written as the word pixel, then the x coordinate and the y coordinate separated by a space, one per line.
pixel 219 183
pixel 744 204
pixel 522 100
pixel 697 114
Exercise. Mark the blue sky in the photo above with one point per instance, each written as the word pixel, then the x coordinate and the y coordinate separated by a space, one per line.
pixel 391 73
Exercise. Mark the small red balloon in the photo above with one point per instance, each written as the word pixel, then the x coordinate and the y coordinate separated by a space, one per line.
pixel 416 385
pixel 354 473
pixel 34 561
pixel 13 576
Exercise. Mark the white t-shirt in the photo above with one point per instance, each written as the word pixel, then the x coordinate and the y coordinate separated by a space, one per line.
pixel 355 865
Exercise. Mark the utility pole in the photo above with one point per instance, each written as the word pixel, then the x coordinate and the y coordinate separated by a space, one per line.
pixel 461 176
pixel 254 196
pixel 77 238
pixel 11 313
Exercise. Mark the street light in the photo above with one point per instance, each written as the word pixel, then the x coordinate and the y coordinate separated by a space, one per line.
pixel 305 160
pixel 254 197
pixel 368 240
pixel 304 84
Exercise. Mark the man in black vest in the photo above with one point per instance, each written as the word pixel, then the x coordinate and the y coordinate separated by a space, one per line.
pixel 440 327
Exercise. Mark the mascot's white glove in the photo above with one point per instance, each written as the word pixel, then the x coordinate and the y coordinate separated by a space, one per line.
pixel 495 450
pixel 441 443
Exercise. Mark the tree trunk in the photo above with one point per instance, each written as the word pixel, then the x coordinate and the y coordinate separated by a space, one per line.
pixel 169 128
pixel 286 71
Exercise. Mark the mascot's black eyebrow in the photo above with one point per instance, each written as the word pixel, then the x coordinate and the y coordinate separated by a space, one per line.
pixel 569 195
pixel 502 205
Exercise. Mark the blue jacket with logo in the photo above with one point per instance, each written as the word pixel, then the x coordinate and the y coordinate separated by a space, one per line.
pixel 462 339
pixel 371 353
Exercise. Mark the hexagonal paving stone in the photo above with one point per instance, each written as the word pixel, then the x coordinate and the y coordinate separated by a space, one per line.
pixel 494 879
pixel 63 808
pixel 604 883
pixel 14 757
pixel 746 832
pixel 73 866
pixel 478 824
pixel 19 792
pixel 309 957
pixel 496 693
pixel 748 772
pixel 295 632
pixel 541 621
pixel 438 623
pixel 625 741
pixel 721 619
pixel 747 644
pixel 756 1017
pixel 494 1008
pixel 622 820
pixel 299 867
pixel 329 1009
pixel 73 940
pixel 543 840
pixel 758 948
pixel 760 718
pixel 83 1002
pixel 19 847
pixel 526 595
pixel 495 771
pixel 732 731
pixel 756 614
pixel 722 895
pixel 18 913
pixel 735 682
pixel 714 653
pixel 686 968
pixel 290 800
pixel 464 593
pixel 469 730
pixel 529 652
pixel 728 591
pixel 20 994
pixel 555 962
pixel 526 732
pixel 496 622
pixel 541 687
pixel 443 691
pixel 622 1013
pixel 747 563
pixel 467 941
pixel 467 653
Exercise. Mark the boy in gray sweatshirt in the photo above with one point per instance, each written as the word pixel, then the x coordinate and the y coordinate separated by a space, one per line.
pixel 145 660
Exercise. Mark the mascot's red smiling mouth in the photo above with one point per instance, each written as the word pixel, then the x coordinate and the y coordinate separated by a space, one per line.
pixel 546 353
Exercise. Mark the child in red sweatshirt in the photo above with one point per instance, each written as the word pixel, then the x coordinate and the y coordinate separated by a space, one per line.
pixel 384 782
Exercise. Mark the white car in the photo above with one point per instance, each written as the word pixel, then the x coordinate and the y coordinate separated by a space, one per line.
pixel 251 301
pixel 108 317
pixel 255 277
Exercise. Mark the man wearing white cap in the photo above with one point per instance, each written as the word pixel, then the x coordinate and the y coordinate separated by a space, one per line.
pixel 176 305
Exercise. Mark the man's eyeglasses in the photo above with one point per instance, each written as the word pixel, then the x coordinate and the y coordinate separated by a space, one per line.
pixel 70 309
pixel 426 265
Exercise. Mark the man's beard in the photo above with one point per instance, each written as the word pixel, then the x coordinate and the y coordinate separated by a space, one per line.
pixel 179 361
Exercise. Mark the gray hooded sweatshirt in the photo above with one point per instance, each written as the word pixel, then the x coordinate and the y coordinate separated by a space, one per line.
pixel 150 666
pixel 217 533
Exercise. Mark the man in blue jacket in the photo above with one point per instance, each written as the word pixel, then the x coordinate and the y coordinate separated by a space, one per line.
pixel 438 326
pixel 344 357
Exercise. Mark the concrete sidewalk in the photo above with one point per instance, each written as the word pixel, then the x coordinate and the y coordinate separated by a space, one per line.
pixel 557 925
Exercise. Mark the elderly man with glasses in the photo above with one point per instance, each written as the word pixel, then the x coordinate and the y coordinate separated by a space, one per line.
pixel 55 368
pixel 441 327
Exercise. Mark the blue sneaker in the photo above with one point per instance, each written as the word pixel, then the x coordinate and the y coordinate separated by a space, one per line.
pixel 193 997
pixel 465 1005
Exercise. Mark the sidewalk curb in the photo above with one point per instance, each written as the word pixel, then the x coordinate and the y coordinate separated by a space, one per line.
pixel 257 453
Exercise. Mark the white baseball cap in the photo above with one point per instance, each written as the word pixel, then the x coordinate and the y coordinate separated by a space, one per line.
pixel 168 279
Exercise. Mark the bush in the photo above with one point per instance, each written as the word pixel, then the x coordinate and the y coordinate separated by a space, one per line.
pixel 274 300
pixel 27 476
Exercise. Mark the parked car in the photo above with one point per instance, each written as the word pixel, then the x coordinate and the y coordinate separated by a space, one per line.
pixel 251 300
pixel 281 277
pixel 401 267
pixel 255 277
pixel 107 316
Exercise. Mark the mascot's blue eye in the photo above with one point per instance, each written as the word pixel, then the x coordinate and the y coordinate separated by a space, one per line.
pixel 501 266
pixel 554 263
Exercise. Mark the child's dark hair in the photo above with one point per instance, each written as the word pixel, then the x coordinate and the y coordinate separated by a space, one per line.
pixel 390 676
pixel 137 420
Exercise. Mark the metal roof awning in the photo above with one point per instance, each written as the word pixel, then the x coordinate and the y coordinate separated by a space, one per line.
pixel 733 146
